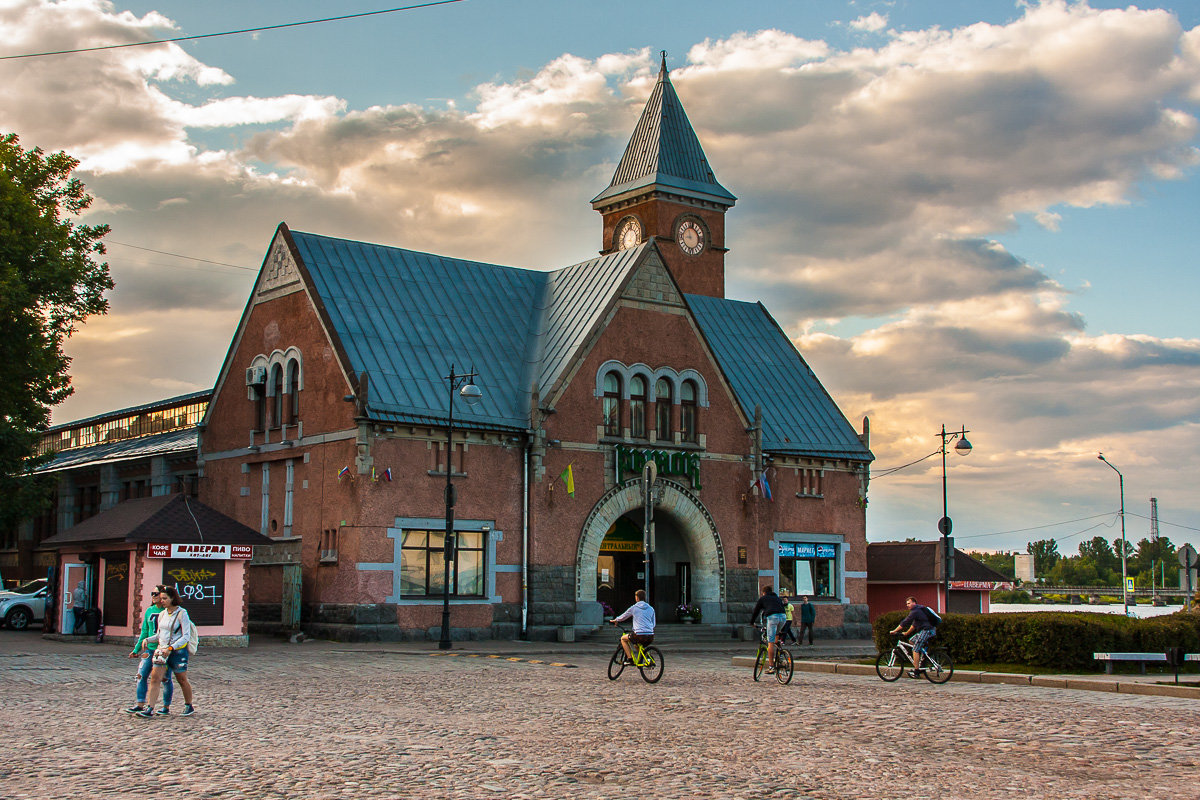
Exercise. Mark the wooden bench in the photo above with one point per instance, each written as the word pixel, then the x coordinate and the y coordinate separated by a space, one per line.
pixel 1139 658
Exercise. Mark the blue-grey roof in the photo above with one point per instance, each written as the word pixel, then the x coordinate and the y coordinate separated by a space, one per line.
pixel 765 369
pixel 404 317
pixel 178 442
pixel 664 151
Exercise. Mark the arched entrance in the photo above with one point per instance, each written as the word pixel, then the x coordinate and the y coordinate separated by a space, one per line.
pixel 688 561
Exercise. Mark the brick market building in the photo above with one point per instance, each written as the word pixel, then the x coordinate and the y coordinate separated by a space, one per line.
pixel 328 424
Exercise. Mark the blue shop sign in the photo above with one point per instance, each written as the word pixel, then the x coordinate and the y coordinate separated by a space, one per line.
pixel 804 550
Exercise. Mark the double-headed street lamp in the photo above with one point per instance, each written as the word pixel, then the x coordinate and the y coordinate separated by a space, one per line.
pixel 945 526
pixel 1124 571
pixel 471 394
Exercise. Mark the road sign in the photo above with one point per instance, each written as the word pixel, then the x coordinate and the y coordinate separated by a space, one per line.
pixel 1129 585
pixel 945 526
pixel 1187 556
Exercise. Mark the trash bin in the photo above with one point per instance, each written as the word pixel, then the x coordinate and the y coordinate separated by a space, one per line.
pixel 91 621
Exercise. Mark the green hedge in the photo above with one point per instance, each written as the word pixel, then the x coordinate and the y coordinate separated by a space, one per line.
pixel 1051 639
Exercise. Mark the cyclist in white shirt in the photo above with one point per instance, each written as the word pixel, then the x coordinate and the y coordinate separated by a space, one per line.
pixel 642 614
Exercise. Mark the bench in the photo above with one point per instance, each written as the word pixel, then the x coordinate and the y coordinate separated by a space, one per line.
pixel 1140 658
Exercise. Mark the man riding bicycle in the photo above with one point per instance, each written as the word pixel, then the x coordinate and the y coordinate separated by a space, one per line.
pixel 919 629
pixel 642 614
pixel 774 614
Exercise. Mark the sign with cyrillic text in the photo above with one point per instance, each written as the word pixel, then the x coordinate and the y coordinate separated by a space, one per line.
pixel 222 552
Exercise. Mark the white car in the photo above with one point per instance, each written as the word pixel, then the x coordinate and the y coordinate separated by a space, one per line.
pixel 23 605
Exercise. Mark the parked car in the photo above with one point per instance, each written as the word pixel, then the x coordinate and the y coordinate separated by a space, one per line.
pixel 24 605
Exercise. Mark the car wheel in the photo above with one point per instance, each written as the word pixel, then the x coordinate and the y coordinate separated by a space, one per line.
pixel 17 619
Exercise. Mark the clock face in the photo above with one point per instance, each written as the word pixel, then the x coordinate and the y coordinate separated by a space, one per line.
pixel 690 237
pixel 629 233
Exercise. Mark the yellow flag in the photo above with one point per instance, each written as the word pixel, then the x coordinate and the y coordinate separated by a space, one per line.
pixel 568 477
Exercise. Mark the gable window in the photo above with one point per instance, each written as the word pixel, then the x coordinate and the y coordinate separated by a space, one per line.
pixel 687 411
pixel 277 396
pixel 423 566
pixel 293 391
pixel 612 404
pixel 637 407
pixel 662 409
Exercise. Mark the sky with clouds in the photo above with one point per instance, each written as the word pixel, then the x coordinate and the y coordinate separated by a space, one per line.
pixel 964 213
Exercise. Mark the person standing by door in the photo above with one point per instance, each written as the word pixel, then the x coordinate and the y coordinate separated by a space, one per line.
pixel 808 616
pixel 78 605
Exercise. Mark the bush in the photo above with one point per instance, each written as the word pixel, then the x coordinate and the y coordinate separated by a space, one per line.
pixel 1052 639
pixel 1011 596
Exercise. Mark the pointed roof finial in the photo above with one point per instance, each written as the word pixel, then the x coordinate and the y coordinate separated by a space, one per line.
pixel 663 53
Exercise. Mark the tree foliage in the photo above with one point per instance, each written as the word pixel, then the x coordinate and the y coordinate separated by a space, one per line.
pixel 1004 563
pixel 1045 555
pixel 50 281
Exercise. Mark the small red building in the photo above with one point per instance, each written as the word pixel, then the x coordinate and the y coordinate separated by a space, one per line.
pixel 896 570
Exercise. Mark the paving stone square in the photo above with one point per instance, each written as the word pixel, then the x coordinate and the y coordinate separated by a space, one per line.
pixel 320 721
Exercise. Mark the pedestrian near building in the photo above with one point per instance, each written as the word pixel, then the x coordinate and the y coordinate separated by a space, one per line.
pixel 808 616
pixel 79 605
pixel 173 642
pixel 149 627
pixel 786 632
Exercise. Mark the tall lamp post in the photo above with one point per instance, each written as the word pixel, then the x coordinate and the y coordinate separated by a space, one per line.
pixel 945 526
pixel 1124 571
pixel 471 394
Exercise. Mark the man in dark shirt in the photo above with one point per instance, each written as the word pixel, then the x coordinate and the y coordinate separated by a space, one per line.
pixel 919 628
pixel 774 615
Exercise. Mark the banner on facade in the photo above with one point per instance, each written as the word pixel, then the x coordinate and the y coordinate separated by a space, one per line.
pixel 987 586
pixel 805 550
pixel 222 552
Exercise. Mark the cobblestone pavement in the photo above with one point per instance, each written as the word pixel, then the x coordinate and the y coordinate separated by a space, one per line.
pixel 322 720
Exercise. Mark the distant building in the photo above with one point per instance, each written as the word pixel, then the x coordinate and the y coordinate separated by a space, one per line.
pixel 896 570
pixel 327 428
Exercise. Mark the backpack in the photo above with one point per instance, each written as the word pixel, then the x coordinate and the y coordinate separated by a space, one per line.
pixel 932 616
pixel 193 635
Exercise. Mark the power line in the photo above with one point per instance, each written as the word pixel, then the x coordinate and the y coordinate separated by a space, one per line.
pixel 1042 527
pixel 234 33
pixel 1129 513
pixel 886 472
pixel 178 255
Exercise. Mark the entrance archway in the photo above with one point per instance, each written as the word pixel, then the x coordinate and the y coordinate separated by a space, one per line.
pixel 685 527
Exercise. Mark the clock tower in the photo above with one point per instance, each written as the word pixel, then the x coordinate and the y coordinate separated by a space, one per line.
pixel 664 189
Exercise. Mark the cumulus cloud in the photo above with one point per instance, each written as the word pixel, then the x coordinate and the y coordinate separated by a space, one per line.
pixel 871 23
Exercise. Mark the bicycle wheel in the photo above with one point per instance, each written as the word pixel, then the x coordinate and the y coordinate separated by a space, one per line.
pixel 652 670
pixel 760 662
pixel 783 666
pixel 890 664
pixel 616 664
pixel 938 665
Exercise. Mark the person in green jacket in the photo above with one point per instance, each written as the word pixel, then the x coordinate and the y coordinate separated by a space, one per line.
pixel 149 625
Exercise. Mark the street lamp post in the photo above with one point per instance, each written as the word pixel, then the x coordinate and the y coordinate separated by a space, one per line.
pixel 1124 570
pixel 945 525
pixel 471 394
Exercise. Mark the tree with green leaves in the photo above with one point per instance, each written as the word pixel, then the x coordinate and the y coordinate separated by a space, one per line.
pixel 50 281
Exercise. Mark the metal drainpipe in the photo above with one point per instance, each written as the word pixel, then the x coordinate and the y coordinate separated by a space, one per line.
pixel 525 538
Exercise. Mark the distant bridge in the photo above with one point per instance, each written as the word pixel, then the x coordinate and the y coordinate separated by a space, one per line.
pixel 1110 591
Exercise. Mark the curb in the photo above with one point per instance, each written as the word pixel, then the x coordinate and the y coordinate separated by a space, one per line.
pixel 1008 679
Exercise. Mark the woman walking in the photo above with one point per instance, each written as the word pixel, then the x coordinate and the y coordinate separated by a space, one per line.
pixel 172 647
pixel 149 626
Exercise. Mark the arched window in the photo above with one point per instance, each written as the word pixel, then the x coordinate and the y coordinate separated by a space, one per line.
pixel 662 409
pixel 637 407
pixel 277 396
pixel 293 390
pixel 687 411
pixel 612 404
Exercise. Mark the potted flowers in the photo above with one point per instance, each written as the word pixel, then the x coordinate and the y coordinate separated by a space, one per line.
pixel 689 613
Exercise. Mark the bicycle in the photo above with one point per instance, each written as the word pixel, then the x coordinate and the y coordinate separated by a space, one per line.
pixel 647 658
pixel 937 664
pixel 783 659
